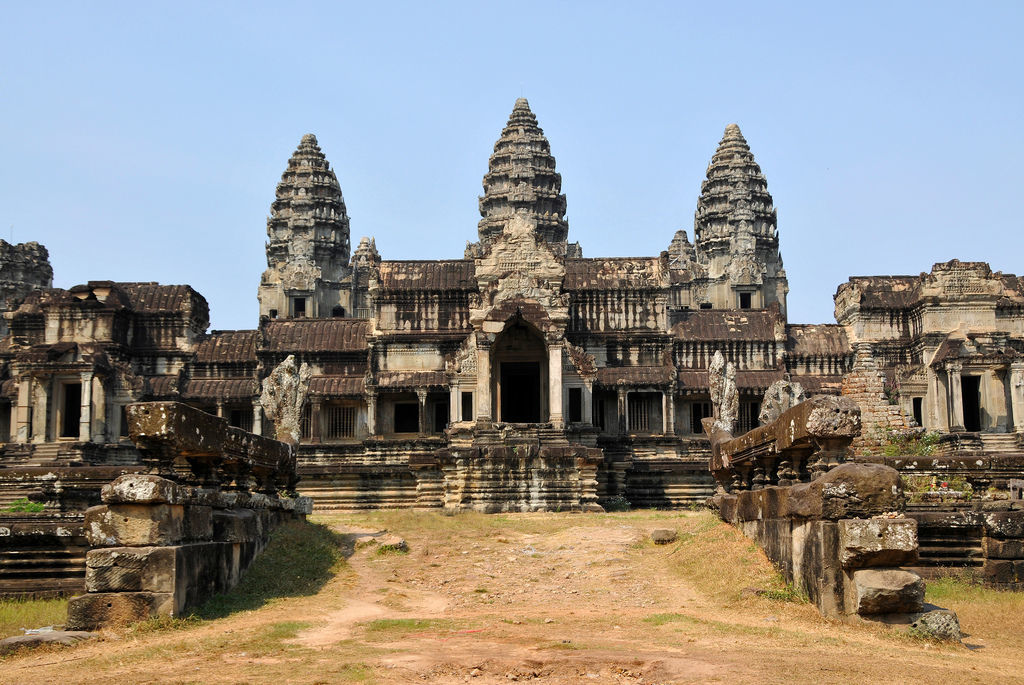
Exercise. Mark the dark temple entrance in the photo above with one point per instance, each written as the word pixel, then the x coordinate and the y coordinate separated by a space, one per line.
pixel 520 392
pixel 971 387
pixel 519 381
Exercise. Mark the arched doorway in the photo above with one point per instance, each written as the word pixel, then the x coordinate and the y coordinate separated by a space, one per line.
pixel 520 374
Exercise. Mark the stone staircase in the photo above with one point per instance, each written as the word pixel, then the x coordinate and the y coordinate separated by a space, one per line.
pixel 1000 443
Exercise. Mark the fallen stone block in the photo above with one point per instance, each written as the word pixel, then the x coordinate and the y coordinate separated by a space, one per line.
pixel 877 542
pixel 938 624
pixel 663 536
pixel 52 637
pixel 886 591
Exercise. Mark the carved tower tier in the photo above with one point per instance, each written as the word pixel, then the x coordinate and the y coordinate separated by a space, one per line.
pixel 735 231
pixel 308 247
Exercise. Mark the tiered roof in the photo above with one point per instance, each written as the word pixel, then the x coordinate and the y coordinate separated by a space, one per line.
pixel 735 192
pixel 309 202
pixel 521 178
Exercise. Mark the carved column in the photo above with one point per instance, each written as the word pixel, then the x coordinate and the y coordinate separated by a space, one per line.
pixel 99 403
pixel 668 411
pixel 555 385
pixel 623 408
pixel 315 431
pixel 932 401
pixel 421 395
pixel 40 399
pixel 371 413
pixel 23 413
pixel 257 418
pixel 85 401
pixel 483 382
pixel 588 402
pixel 1016 377
pixel 956 397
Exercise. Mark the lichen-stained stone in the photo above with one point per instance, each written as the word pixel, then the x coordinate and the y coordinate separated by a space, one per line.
pixel 877 542
pixel 134 525
pixel 937 624
pixel 140 488
pixel 886 591
pixel 848 491
pixel 131 569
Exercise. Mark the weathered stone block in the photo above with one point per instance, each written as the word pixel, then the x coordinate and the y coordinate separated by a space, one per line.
pixel 938 624
pixel 1003 549
pixel 95 610
pixel 127 569
pixel 236 526
pixel 1005 524
pixel 198 523
pixel 134 525
pixel 877 542
pixel 998 571
pixel 139 488
pixel 663 536
pixel 848 491
pixel 877 591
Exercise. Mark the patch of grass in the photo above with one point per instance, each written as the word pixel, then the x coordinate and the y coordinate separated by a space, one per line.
pixel 662 619
pixel 564 644
pixel 298 560
pixel 387 627
pixel 16 614
pixel 23 504
pixel 286 630
pixel 385 550
pixel 481 590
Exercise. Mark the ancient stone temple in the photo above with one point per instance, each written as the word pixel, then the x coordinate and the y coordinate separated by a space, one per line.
pixel 523 375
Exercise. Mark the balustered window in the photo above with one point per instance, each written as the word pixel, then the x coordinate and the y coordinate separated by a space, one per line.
pixel 339 421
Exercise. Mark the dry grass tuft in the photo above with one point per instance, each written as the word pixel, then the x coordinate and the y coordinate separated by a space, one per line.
pixel 16 614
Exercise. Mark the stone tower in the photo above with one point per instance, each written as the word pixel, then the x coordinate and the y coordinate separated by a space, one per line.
pixel 521 179
pixel 735 231
pixel 23 268
pixel 308 247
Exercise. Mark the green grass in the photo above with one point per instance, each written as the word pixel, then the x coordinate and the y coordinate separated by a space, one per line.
pixel 386 627
pixel 298 560
pixel 662 619
pixel 16 614
pixel 23 504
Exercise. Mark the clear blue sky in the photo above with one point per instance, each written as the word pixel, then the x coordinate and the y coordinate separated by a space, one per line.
pixel 143 141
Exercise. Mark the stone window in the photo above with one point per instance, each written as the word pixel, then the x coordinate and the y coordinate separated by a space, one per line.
pixel 440 416
pixel 306 423
pixel 241 418
pixel 467 406
pixel 748 418
pixel 407 417
pixel 338 312
pixel 917 403
pixel 705 305
pixel 298 307
pixel 575 405
pixel 644 416
pixel 744 300
pixel 698 411
pixel 273 313
pixel 340 422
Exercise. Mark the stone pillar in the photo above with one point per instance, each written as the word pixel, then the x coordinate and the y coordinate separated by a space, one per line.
pixel 588 402
pixel 421 395
pixel 23 413
pixel 956 397
pixel 40 398
pixel 1017 395
pixel 220 409
pixel 455 403
pixel 314 420
pixel 99 403
pixel 483 383
pixel 555 385
pixel 993 400
pixel 257 418
pixel 371 413
pixel 932 402
pixel 85 400
pixel 668 411
pixel 623 408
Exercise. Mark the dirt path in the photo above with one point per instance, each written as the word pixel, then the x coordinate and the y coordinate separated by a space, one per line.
pixel 542 598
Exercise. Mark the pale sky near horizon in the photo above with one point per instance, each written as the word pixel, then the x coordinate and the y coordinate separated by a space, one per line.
pixel 143 141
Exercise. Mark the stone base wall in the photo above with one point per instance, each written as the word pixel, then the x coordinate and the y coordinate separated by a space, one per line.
pixel 158 548
pixel 838 539
pixel 41 555
pixel 866 386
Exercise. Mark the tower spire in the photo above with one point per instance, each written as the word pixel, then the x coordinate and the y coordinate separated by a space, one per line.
pixel 521 179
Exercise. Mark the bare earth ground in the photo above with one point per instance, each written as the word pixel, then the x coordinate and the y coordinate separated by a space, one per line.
pixel 547 598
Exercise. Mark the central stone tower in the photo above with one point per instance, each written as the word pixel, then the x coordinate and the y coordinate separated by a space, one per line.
pixel 308 247
pixel 521 180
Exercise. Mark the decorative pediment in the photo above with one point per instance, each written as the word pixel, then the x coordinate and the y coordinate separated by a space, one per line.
pixel 299 275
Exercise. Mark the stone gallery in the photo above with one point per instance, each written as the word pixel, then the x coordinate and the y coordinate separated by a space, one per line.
pixel 521 376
